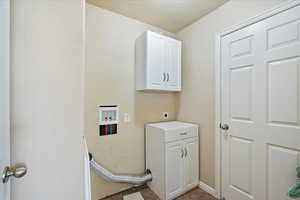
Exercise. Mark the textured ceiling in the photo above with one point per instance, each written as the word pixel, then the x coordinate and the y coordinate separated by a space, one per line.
pixel 171 15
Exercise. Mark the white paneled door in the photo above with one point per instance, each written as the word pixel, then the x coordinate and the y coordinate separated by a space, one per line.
pixel 4 96
pixel 261 106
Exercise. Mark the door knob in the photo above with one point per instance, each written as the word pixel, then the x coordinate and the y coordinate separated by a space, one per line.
pixel 224 127
pixel 18 171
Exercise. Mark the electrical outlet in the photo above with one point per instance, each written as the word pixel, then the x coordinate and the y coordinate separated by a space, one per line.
pixel 166 115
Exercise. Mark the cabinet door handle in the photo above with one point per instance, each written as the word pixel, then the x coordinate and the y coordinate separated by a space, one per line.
pixel 185 152
pixel 185 133
pixel 168 78
pixel 164 75
pixel 182 153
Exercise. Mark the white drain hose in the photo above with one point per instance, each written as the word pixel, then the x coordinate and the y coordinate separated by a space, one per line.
pixel 109 176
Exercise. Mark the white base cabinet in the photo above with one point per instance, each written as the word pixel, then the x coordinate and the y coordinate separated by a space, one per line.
pixel 172 155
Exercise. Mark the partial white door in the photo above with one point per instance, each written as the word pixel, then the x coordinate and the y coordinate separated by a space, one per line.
pixel 174 169
pixel 173 64
pixel 191 163
pixel 156 61
pixel 261 106
pixel 4 95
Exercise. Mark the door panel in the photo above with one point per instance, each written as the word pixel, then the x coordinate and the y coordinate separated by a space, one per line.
pixel 47 104
pixel 156 61
pixel 173 64
pixel 260 102
pixel 241 165
pixel 279 105
pixel 240 93
pixel 283 91
pixel 238 54
pixel 280 177
pixel 241 47
pixel 191 163
pixel 289 29
pixel 174 169
pixel 4 95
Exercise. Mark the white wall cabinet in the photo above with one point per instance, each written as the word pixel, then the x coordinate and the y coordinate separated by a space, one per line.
pixel 158 62
pixel 172 155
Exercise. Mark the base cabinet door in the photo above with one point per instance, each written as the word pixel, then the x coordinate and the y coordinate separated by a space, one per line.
pixel 182 167
pixel 174 169
pixel 191 163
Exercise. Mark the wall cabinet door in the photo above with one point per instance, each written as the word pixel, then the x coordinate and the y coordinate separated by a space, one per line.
pixel 191 163
pixel 173 64
pixel 156 75
pixel 174 169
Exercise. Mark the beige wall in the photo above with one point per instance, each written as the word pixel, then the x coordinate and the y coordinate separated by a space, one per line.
pixel 47 98
pixel 197 100
pixel 110 80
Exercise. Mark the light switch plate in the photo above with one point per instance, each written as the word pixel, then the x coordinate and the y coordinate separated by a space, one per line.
pixel 127 117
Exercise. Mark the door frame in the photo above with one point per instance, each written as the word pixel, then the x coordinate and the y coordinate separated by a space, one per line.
pixel 218 97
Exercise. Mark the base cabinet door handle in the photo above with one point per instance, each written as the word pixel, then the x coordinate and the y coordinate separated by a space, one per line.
pixel 164 77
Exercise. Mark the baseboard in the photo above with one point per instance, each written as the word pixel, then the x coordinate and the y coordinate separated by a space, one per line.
pixel 208 189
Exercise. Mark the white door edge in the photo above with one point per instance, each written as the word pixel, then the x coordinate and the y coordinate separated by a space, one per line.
pixel 268 13
pixel 5 91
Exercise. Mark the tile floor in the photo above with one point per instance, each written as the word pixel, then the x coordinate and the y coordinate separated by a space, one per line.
pixel 195 194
